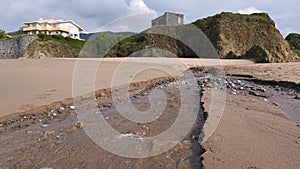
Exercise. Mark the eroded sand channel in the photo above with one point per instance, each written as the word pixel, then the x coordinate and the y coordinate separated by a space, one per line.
pixel 55 138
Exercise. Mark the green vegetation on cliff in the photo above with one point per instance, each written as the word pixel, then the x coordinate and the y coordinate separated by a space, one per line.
pixel 294 41
pixel 3 35
pixel 134 46
pixel 151 44
pixel 48 46
pixel 101 43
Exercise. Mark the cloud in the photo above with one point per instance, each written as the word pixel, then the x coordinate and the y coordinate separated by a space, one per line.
pixel 250 10
pixel 137 18
pixel 110 15
pixel 136 23
pixel 139 6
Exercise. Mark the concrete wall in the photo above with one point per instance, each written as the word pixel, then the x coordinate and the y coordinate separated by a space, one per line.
pixel 162 20
pixel 15 48
pixel 174 19
pixel 168 19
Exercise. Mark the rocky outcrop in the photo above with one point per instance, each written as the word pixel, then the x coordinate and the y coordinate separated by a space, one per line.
pixel 53 46
pixel 15 48
pixel 237 36
pixel 258 54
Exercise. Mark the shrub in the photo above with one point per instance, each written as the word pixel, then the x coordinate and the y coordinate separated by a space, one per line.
pixel 2 34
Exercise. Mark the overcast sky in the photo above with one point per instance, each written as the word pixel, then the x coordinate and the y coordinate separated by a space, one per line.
pixel 135 15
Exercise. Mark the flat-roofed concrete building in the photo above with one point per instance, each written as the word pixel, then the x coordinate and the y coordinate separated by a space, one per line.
pixel 168 19
pixel 53 27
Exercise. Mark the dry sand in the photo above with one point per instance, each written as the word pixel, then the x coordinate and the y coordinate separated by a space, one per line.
pixel 289 72
pixel 26 83
pixel 252 133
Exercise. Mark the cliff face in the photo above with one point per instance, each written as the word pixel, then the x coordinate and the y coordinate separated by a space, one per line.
pixel 47 46
pixel 15 48
pixel 253 37
pixel 245 36
pixel 149 45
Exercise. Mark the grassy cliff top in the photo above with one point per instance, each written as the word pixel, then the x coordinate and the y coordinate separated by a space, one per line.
pixel 255 17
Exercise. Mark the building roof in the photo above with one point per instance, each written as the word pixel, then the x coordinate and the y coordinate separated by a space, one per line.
pixel 53 21
pixel 167 13
pixel 172 13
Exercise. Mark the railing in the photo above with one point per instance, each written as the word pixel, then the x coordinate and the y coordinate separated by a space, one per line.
pixel 45 29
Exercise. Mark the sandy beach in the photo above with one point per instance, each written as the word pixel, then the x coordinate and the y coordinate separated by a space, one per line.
pixel 27 83
pixel 254 132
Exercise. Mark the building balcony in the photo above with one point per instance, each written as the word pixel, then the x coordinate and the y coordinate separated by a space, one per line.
pixel 27 29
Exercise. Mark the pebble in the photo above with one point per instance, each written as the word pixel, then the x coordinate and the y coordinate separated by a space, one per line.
pixel 145 127
pixel 78 124
pixel 54 114
pixel 186 142
pixel 29 132
pixel 61 108
pixel 261 89
pixel 72 107
pixel 256 94
pixel 253 93
pixel 62 119
pixel 107 105
pixel 45 125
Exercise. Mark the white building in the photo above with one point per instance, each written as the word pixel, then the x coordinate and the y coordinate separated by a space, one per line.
pixel 53 27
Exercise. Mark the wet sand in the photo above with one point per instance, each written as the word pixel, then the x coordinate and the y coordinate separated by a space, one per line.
pixel 253 132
